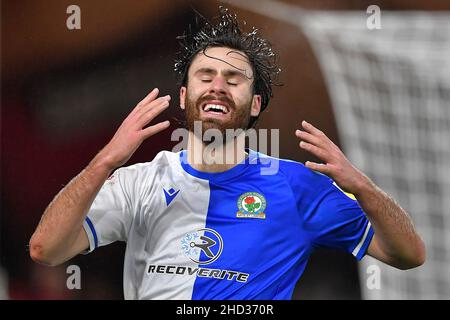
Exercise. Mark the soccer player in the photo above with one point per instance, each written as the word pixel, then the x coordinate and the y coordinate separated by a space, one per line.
pixel 202 229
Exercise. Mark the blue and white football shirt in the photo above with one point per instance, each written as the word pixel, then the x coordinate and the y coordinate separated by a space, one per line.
pixel 238 234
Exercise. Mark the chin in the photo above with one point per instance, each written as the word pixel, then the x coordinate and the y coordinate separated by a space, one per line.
pixel 213 124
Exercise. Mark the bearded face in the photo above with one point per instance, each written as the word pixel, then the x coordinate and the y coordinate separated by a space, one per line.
pixel 219 91
pixel 216 112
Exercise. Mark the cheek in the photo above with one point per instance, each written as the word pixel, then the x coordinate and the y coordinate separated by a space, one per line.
pixel 243 98
pixel 194 92
pixel 191 96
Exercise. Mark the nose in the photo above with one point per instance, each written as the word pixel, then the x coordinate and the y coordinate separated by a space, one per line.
pixel 218 86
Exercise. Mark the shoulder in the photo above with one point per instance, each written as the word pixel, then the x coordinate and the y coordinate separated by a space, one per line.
pixel 162 159
pixel 296 174
pixel 292 169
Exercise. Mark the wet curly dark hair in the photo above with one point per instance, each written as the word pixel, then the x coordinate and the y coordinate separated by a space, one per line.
pixel 226 32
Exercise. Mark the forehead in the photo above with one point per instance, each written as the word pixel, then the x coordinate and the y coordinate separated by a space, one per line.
pixel 220 58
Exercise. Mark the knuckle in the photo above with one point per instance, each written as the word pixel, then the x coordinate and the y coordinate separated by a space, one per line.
pixel 150 114
pixel 159 100
pixel 153 113
pixel 158 106
pixel 141 104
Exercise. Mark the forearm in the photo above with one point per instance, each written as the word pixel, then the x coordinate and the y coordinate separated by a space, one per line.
pixel 59 235
pixel 394 229
pixel 63 219
pixel 395 242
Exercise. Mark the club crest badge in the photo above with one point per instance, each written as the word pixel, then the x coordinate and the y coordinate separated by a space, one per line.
pixel 251 205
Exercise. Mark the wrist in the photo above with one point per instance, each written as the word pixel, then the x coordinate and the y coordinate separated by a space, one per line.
pixel 363 186
pixel 102 163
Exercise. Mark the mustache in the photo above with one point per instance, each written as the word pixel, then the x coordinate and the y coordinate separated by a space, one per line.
pixel 227 100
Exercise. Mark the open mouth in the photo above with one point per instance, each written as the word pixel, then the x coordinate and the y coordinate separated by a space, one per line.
pixel 215 108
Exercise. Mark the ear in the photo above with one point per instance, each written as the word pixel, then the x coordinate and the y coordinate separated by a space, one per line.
pixel 182 97
pixel 256 105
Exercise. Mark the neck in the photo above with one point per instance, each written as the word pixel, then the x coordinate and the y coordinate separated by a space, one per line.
pixel 215 157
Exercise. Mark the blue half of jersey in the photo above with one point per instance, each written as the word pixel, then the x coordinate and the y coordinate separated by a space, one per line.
pixel 304 210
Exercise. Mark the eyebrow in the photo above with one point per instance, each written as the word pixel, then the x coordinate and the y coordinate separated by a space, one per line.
pixel 226 72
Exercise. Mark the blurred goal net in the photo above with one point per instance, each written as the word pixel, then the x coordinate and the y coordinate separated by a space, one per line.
pixel 390 91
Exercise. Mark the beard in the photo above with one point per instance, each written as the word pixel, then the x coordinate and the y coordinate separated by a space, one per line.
pixel 240 116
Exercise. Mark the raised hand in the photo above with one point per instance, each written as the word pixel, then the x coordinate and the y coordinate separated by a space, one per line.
pixel 336 165
pixel 133 131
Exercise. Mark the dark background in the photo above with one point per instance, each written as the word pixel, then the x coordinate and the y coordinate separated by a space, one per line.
pixel 64 93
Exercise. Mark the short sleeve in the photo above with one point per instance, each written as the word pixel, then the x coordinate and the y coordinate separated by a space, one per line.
pixel 338 222
pixel 331 217
pixel 110 215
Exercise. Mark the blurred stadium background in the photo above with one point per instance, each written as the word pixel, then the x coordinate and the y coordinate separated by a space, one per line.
pixel 382 95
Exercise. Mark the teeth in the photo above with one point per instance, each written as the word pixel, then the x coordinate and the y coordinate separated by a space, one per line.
pixel 215 107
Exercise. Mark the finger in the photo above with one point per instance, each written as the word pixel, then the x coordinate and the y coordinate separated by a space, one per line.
pixel 148 132
pixel 150 97
pixel 318 152
pixel 308 137
pixel 152 112
pixel 152 104
pixel 143 109
pixel 322 168
pixel 156 101
pixel 317 137
pixel 311 129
